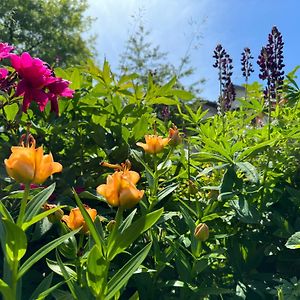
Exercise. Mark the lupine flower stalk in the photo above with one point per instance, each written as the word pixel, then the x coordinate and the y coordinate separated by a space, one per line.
pixel 224 64
pixel 271 66
pixel 247 67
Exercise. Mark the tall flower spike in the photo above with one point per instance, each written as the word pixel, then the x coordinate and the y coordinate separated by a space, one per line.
pixel 224 65
pixel 247 67
pixel 271 64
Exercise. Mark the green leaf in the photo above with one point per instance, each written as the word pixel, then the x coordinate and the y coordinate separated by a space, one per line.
pixel 249 170
pixel 245 213
pixel 249 151
pixel 5 213
pixel 140 128
pixel 127 221
pixel 228 180
pixel 49 291
pixel 183 95
pixel 75 79
pixel 44 285
pixel 123 275
pixel 131 233
pixel 162 100
pixel 16 241
pixel 97 269
pixel 89 222
pixel 36 203
pixel 43 251
pixel 54 266
pixel 76 292
pixel 294 241
pixel 40 216
pixel 106 72
pixel 167 191
pixel 5 290
pixel 62 295
pixel 137 156
pixel 209 157
pixel 11 111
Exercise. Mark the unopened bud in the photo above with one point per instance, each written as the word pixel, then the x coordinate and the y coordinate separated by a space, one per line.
pixel 192 187
pixel 110 225
pixel 201 232
pixel 174 136
pixel 56 216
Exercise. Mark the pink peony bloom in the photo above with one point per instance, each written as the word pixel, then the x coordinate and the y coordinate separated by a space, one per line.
pixel 4 50
pixel 56 89
pixel 35 75
pixel 3 73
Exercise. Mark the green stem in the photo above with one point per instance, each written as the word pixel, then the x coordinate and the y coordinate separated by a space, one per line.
pixel 23 205
pixel 78 263
pixel 198 249
pixel 118 219
pixel 153 190
pixel 14 279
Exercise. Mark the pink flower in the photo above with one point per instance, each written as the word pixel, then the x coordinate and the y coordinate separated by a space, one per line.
pixel 56 89
pixel 3 73
pixel 35 75
pixel 4 50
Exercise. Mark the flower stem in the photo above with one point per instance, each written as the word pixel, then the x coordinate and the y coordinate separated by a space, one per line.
pixel 14 278
pixel 23 205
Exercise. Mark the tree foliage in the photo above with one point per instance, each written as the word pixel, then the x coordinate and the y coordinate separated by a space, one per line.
pixel 141 56
pixel 51 30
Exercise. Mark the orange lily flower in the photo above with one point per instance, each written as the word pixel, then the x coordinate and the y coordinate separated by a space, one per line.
pixel 30 165
pixel 154 143
pixel 75 219
pixel 120 189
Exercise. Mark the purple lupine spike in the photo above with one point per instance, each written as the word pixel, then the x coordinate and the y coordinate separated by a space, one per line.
pixel 247 67
pixel 271 64
pixel 224 64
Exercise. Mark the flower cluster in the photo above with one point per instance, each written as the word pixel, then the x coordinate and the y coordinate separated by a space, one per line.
pixel 224 64
pixel 120 188
pixel 28 164
pixel 271 64
pixel 37 81
pixel 5 49
pixel 75 218
pixel 247 67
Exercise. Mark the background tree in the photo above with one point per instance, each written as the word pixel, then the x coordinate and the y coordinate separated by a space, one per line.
pixel 51 30
pixel 141 56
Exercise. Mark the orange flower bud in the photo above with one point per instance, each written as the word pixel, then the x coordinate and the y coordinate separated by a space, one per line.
pixel 30 165
pixel 120 189
pixel 174 136
pixel 154 143
pixel 56 216
pixel 201 232
pixel 75 219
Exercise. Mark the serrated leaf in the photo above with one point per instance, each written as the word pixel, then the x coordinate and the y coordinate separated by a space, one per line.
pixel 249 170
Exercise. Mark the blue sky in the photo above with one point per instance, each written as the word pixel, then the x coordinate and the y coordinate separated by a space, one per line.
pixel 233 23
